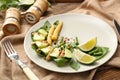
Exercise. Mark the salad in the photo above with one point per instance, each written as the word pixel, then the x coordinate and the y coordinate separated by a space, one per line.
pixel 63 50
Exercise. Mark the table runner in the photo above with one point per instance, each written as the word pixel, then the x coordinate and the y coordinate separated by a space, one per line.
pixel 106 10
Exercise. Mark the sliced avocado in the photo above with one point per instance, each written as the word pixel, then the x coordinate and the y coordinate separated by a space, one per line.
pixel 68 53
pixel 46 50
pixel 41 44
pixel 37 36
pixel 55 52
pixel 39 52
pixel 42 31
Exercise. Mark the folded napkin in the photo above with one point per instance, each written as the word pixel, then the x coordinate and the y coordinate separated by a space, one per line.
pixel 106 10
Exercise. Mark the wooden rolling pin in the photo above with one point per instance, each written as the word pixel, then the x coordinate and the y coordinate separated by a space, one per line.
pixel 11 24
pixel 34 13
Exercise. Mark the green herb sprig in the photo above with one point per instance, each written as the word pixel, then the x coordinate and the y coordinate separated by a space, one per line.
pixel 5 4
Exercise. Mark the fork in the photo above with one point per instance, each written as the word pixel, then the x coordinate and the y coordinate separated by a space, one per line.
pixel 12 54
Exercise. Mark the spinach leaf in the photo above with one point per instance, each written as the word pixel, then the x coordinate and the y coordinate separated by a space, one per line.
pixel 74 64
pixel 61 61
pixel 46 26
pixel 99 52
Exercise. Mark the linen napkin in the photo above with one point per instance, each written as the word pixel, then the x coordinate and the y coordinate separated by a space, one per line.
pixel 106 10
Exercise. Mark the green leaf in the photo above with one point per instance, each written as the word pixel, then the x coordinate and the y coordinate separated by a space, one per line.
pixel 61 61
pixel 104 52
pixel 49 4
pixel 75 65
pixel 5 4
pixel 46 26
pixel 99 52
pixel 2 4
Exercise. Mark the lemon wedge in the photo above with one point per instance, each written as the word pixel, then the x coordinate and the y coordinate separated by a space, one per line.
pixel 27 2
pixel 88 45
pixel 83 57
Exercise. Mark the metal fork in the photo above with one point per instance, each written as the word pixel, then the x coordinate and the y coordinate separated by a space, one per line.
pixel 12 54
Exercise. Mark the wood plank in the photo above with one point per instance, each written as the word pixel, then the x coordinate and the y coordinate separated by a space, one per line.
pixel 108 74
pixel 66 1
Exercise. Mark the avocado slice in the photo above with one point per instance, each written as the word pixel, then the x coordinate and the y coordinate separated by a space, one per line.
pixel 55 52
pixel 68 53
pixel 43 32
pixel 37 36
pixel 46 50
pixel 41 44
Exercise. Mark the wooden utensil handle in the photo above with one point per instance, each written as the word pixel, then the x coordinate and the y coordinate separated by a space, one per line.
pixel 30 74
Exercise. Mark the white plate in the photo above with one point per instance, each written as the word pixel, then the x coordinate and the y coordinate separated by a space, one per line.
pixel 82 26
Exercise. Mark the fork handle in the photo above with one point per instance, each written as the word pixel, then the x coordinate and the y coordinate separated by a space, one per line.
pixel 27 70
pixel 30 74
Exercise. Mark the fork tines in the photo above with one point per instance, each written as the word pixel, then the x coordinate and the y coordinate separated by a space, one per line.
pixel 7 46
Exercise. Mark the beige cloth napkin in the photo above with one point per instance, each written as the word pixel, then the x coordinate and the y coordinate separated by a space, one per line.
pixel 106 10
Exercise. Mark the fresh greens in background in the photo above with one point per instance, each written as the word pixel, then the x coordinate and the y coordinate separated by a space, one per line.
pixel 20 4
pixel 5 4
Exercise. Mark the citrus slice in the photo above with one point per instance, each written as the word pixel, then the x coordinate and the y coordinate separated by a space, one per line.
pixel 83 57
pixel 27 2
pixel 88 45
